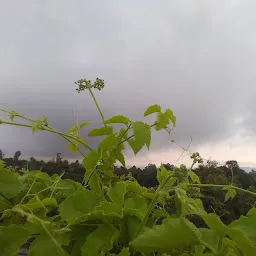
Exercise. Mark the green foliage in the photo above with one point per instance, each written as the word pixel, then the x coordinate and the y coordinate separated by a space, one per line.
pixel 108 214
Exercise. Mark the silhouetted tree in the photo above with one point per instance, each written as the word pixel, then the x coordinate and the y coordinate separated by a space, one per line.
pixel 232 164
pixel 1 155
pixel 16 156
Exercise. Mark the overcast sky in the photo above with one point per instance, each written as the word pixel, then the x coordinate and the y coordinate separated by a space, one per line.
pixel 196 57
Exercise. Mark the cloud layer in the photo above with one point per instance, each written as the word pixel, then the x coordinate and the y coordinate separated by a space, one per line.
pixel 196 58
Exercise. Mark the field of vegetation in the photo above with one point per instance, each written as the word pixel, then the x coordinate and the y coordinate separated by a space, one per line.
pixel 95 208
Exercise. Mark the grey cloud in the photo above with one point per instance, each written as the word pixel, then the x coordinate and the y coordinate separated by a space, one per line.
pixel 195 58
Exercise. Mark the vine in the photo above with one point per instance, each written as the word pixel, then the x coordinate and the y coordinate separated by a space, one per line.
pixel 111 215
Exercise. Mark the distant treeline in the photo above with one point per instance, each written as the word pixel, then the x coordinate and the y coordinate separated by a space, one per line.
pixel 209 172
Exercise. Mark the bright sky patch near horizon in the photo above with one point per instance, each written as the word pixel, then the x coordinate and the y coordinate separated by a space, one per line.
pixel 196 58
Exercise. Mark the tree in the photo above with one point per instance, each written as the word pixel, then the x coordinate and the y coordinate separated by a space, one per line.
pixel 16 156
pixel 231 164
pixel 1 154
pixel 58 157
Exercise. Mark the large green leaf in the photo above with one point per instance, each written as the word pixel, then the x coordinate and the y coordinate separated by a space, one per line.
pixel 100 241
pixel 49 243
pixel 90 161
pixel 152 109
pixel 106 130
pixel 109 142
pixel 10 185
pixel 136 206
pixel 4 204
pixel 247 225
pixel 193 177
pixel 242 241
pixel 163 174
pixel 171 234
pixel 109 209
pixel 210 239
pixel 119 119
pixel 95 183
pixel 35 203
pixel 164 119
pixel 117 193
pixel 187 205
pixel 68 187
pixel 78 205
pixel 11 239
pixel 142 136
pixel 214 222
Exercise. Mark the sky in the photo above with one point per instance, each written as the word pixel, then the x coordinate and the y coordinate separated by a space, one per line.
pixel 194 57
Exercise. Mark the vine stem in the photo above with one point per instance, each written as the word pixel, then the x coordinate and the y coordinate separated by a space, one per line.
pixel 32 216
pixel 98 106
pixel 220 186
pixel 45 128
pixel 152 204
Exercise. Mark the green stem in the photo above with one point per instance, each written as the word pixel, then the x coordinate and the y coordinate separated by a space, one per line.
pixel 45 128
pixel 21 201
pixel 97 105
pixel 220 186
pixel 51 128
pixel 32 216
pixel 152 204
pixel 55 184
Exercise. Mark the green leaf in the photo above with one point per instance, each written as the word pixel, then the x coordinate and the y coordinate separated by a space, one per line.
pixel 231 193
pixel 135 146
pixel 83 124
pixel 72 147
pixel 142 134
pixel 247 225
pixel 187 205
pixel 210 239
pixel 91 160
pixel 10 185
pixel 164 119
pixel 193 177
pixel 122 133
pixel 152 109
pixel 100 241
pixel 73 128
pixel 78 205
pixel 117 193
pixel 163 174
pixel 101 131
pixel 252 211
pixel 172 234
pixel 68 187
pixel 242 241
pixel 35 204
pixel 49 243
pixel 95 183
pixel 119 119
pixel 11 239
pixel 4 204
pixel 109 209
pixel 214 223
pixel 120 157
pixel 109 142
pixel 136 206
pixel 169 113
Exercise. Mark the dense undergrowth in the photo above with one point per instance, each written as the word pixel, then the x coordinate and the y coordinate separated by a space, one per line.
pixel 111 215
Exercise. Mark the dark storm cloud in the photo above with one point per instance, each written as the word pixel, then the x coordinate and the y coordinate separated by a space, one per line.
pixel 196 58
